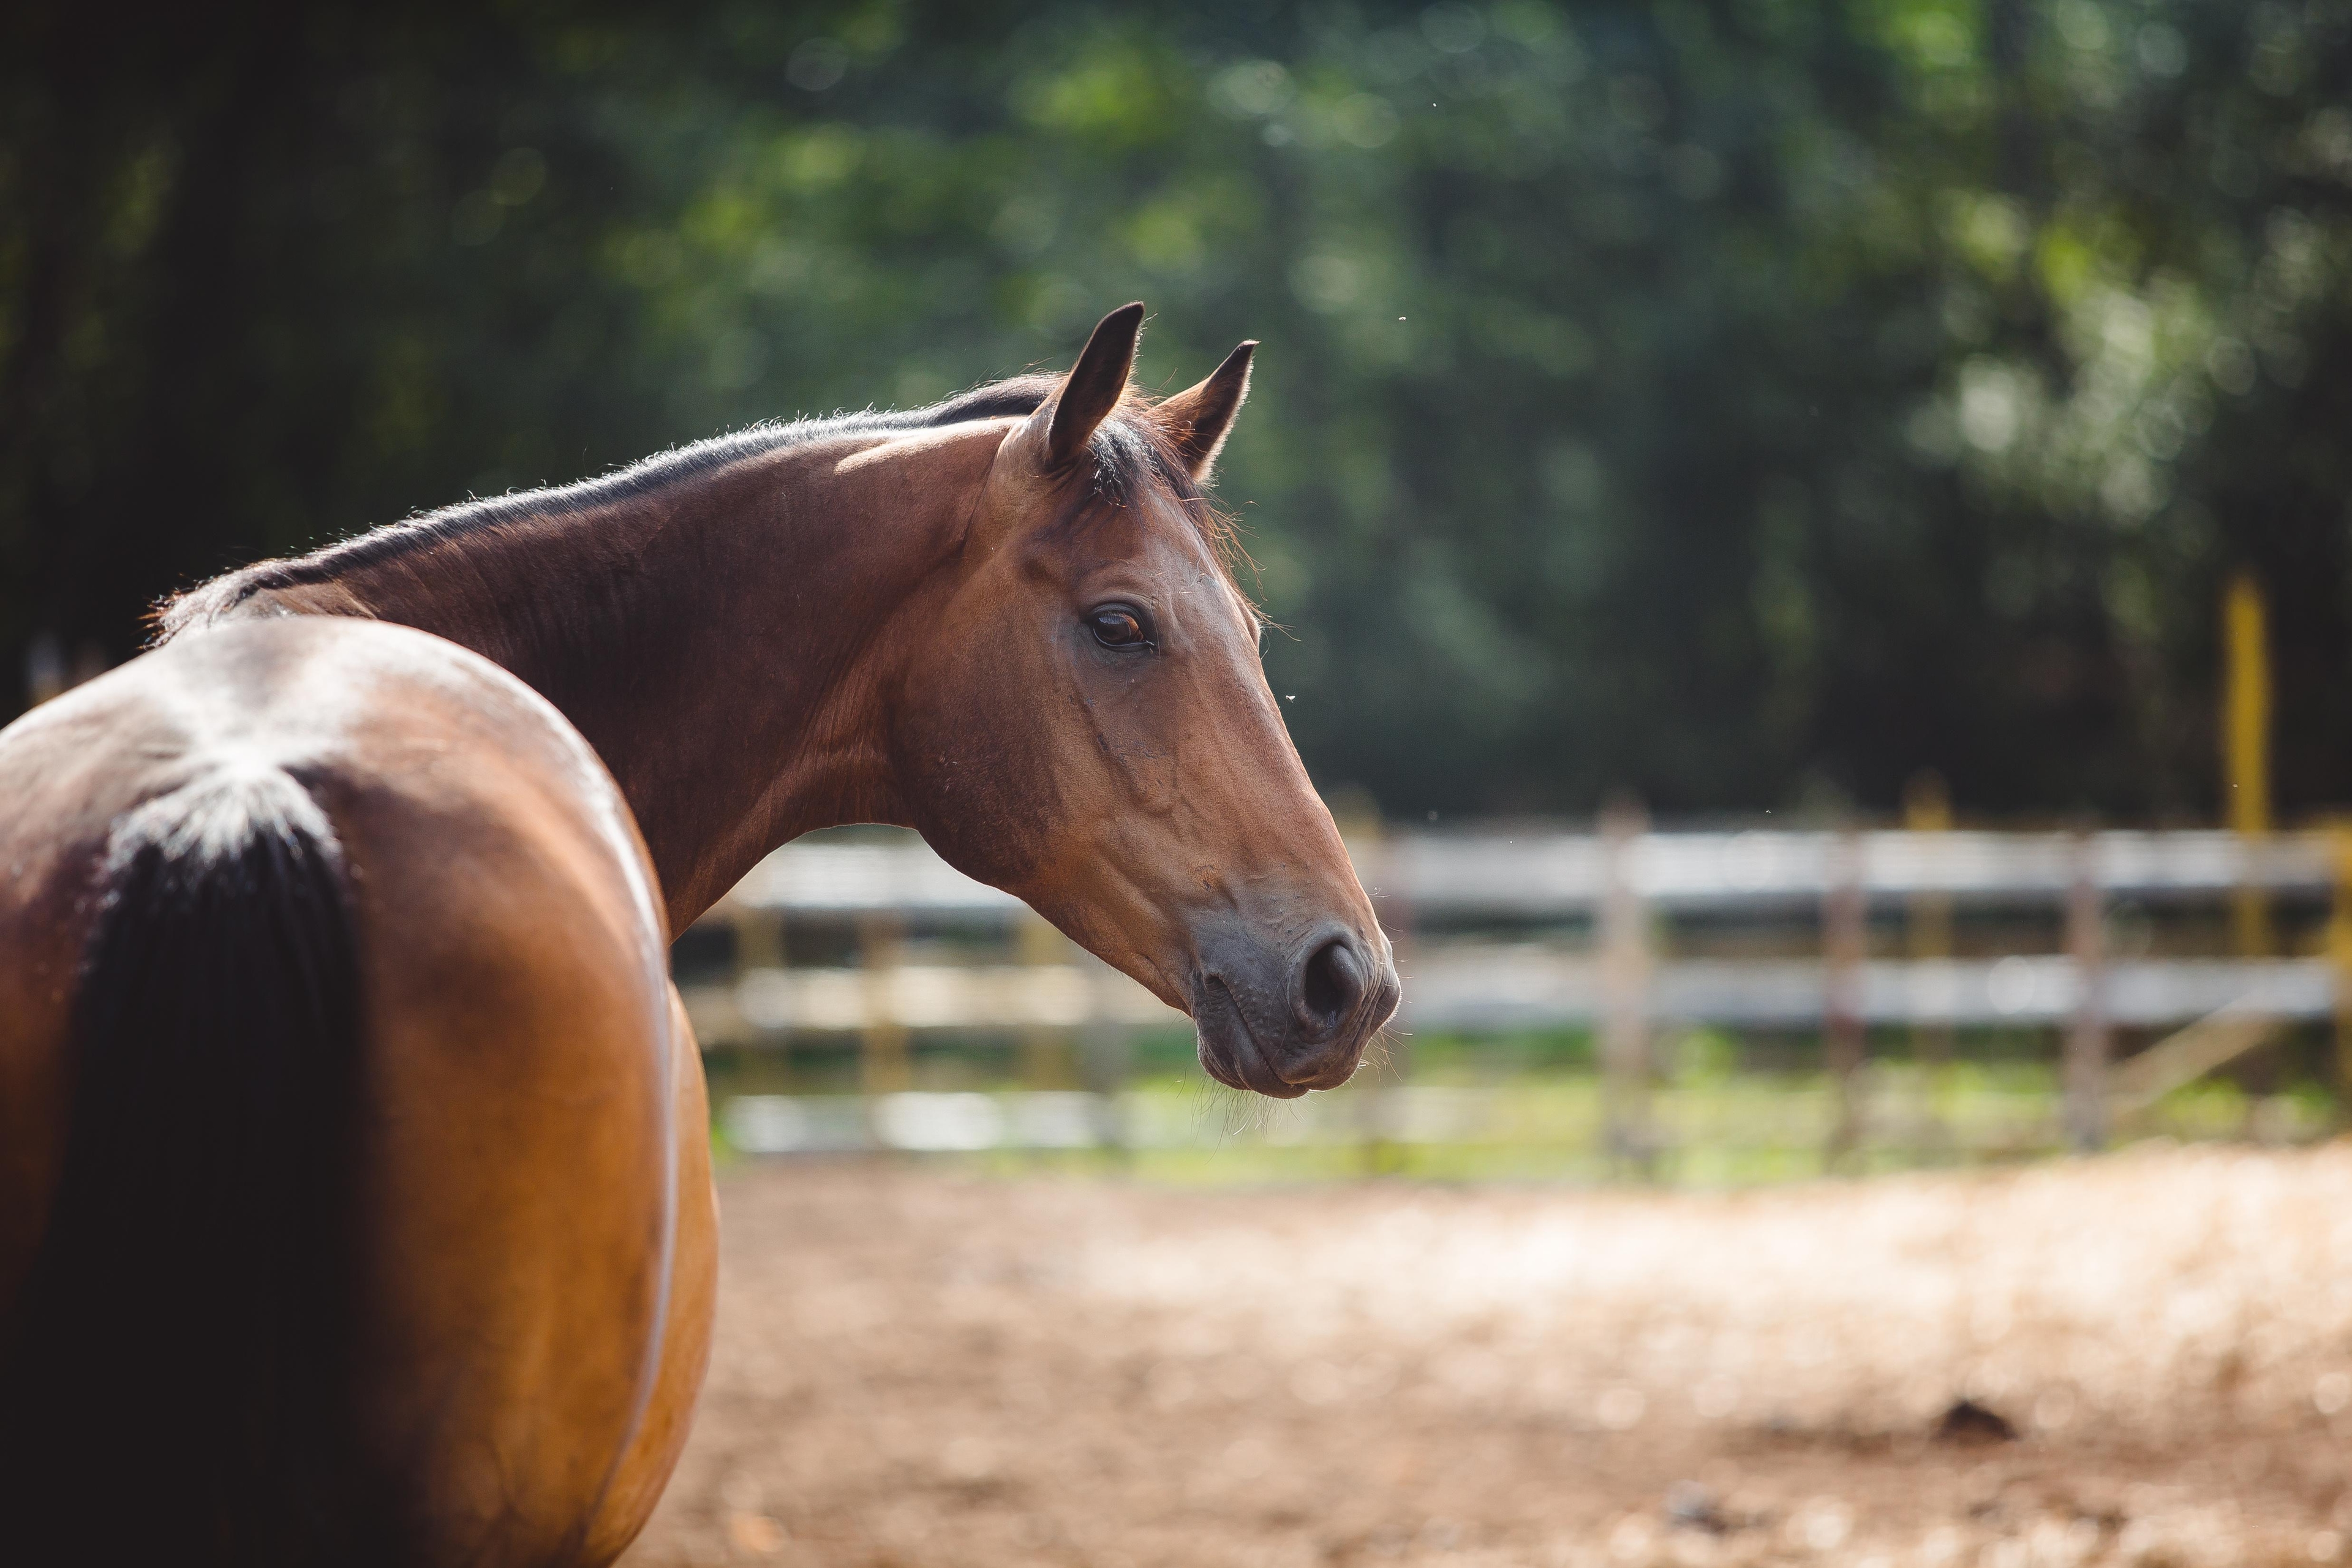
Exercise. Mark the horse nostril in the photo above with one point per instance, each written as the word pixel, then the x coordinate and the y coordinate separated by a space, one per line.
pixel 1333 983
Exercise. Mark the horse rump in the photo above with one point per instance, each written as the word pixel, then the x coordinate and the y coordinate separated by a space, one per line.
pixel 175 1378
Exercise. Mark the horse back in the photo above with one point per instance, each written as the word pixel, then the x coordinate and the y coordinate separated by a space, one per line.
pixel 514 1183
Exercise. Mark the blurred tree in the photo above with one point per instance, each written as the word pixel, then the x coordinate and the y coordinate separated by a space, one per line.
pixel 1744 402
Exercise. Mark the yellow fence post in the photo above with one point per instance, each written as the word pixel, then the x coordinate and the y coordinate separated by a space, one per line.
pixel 2246 746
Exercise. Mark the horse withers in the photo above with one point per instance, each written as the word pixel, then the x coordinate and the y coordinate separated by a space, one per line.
pixel 354 1189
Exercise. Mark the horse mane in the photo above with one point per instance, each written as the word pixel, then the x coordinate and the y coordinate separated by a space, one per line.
pixel 1130 455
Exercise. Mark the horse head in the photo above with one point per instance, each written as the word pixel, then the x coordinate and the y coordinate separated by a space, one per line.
pixel 1088 726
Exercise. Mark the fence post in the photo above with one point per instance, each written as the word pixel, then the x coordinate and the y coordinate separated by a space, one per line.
pixel 1846 936
pixel 1927 930
pixel 2086 1072
pixel 1378 1107
pixel 882 1063
pixel 2246 748
pixel 1104 1048
pixel 760 944
pixel 1046 1055
pixel 2339 953
pixel 1928 808
pixel 1624 994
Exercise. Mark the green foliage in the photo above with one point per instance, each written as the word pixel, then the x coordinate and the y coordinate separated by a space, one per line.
pixel 1743 402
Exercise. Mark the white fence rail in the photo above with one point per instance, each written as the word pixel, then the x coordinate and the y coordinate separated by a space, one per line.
pixel 1512 987
pixel 1554 873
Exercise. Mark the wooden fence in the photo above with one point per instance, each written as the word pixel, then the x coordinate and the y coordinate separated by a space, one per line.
pixel 1511 931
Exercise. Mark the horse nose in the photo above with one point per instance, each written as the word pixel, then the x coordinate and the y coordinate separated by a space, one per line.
pixel 1330 985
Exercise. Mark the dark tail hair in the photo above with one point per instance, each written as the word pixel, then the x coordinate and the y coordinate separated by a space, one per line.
pixel 176 1377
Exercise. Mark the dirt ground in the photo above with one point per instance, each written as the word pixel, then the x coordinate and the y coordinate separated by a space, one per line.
pixel 917 1368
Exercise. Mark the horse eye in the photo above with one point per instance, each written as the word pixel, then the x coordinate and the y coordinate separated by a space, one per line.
pixel 1119 626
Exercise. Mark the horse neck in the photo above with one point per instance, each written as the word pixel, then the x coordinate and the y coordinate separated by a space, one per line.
pixel 714 640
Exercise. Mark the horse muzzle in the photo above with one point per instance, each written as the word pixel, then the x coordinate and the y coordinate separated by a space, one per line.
pixel 1282 1021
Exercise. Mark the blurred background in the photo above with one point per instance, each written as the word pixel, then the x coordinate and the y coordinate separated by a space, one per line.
pixel 1757 415
pixel 1811 548
pixel 1745 404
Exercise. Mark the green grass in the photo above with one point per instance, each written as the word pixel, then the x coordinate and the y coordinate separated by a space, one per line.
pixel 1713 1125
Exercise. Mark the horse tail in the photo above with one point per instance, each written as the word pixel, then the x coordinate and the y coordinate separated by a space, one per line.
pixel 176 1379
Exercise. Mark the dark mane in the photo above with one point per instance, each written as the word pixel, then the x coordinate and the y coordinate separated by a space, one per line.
pixel 1129 456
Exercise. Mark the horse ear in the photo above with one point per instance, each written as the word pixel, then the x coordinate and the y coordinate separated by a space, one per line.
pixel 1197 418
pixel 1093 387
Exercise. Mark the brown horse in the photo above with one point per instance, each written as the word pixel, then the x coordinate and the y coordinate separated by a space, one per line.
pixel 354 1191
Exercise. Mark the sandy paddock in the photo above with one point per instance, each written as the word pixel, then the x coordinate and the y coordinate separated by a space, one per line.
pixel 918 1366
